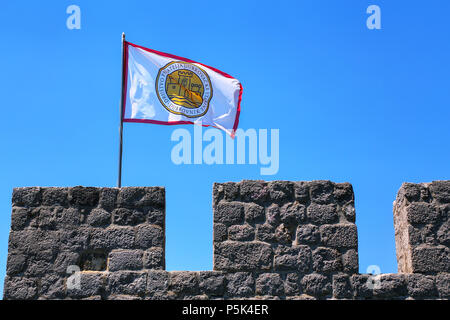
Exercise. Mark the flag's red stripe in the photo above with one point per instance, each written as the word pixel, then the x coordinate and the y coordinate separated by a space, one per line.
pixel 125 87
pixel 168 55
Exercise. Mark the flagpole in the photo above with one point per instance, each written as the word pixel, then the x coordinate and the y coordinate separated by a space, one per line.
pixel 119 178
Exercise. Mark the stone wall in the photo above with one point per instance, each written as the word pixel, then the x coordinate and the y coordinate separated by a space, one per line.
pixel 272 240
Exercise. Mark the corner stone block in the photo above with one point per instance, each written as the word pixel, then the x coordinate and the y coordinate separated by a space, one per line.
pixel 421 223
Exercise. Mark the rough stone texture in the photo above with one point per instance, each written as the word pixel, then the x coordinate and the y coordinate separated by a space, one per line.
pixel 421 223
pixel 108 234
pixel 272 240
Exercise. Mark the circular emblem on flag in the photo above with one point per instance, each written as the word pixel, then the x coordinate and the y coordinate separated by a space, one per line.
pixel 184 88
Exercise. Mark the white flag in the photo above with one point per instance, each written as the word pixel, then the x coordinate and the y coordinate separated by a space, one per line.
pixel 165 89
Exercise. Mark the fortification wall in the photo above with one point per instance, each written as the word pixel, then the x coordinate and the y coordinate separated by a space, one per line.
pixel 272 240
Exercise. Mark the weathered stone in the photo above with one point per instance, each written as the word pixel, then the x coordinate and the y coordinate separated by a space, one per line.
pixel 242 256
pixel 20 218
pixel 308 234
pixel 108 198
pixel 125 260
pixel 123 216
pixel 240 284
pixel 269 284
pixel 19 288
pixel 126 282
pixel 339 235
pixel 212 283
pixel 341 286
pixel 361 285
pixel 265 232
pixel 90 284
pixel 297 258
pixel 220 232
pixel 442 282
pixel 443 234
pixel 349 212
pixel 54 218
pixel 65 259
pixel 54 196
pixel 157 284
pixel 280 191
pixel 26 197
pixel 321 191
pixel 75 240
pixel 440 191
pixel 52 286
pixel 316 285
pixel 229 213
pixel 326 260
pixel 156 216
pixel 228 191
pixel 241 233
pixel 350 261
pixel 83 196
pixel 390 286
pixel 321 213
pixel 343 193
pixel 254 213
pixel 420 286
pixel 301 192
pixel 16 263
pixel 273 215
pixel 428 259
pixel 421 212
pixel 413 192
pixel 183 282
pixel 99 218
pixel 254 191
pixel 154 258
pixel 149 236
pixel 139 197
pixel 292 284
pixel 292 213
pixel 282 234
pixel 112 238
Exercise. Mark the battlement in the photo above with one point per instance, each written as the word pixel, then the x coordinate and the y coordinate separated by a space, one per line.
pixel 272 240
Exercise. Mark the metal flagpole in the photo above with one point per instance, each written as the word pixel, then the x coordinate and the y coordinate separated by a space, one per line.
pixel 119 178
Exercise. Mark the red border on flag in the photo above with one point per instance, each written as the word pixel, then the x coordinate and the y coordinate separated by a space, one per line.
pixel 168 55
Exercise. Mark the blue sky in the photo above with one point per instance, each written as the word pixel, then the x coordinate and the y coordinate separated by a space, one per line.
pixel 370 107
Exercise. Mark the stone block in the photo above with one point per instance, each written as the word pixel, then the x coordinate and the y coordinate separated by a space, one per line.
pixel 183 283
pixel 240 284
pixel 154 258
pixel 322 213
pixel 212 283
pixel 242 256
pixel 125 260
pixel 229 213
pixel 316 285
pixel 243 232
pixel 339 235
pixel 148 236
pixel 308 234
pixel 296 258
pixel 341 287
pixel 19 288
pixel 126 283
pixel 269 284
pixel 84 196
